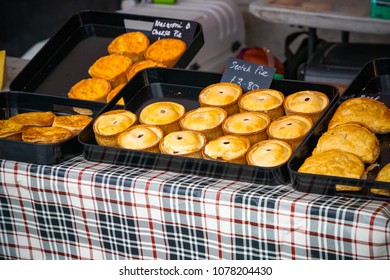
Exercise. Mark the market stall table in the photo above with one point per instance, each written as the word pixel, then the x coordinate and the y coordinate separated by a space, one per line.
pixel 87 210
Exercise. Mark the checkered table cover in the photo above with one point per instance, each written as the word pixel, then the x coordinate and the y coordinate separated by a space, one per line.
pixel 88 210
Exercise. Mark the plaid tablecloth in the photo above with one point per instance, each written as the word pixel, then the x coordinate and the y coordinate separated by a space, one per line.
pixel 87 210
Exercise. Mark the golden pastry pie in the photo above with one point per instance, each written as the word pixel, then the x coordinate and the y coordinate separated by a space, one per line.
pixel 45 134
pixel 164 114
pixel 350 137
pixel 207 120
pixel 383 176
pixel 269 153
pixel 130 44
pixel 140 65
pixel 336 163
pixel 110 124
pixel 185 143
pixel 90 89
pixel 223 95
pixel 112 68
pixel 142 137
pixel 73 123
pixel 372 113
pixel 166 51
pixel 267 101
pixel 10 129
pixel 252 125
pixel 34 118
pixel 291 129
pixel 308 102
pixel 227 148
pixel 114 92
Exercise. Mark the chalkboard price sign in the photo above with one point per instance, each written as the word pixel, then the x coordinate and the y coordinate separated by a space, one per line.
pixel 179 29
pixel 249 76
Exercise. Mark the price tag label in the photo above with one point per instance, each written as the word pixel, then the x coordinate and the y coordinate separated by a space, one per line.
pixel 166 28
pixel 249 76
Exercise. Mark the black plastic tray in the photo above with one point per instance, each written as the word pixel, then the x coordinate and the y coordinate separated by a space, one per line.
pixel 372 81
pixel 65 59
pixel 13 102
pixel 183 86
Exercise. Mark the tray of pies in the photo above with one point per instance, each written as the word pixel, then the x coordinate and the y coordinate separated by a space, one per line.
pixel 190 122
pixel 348 154
pixel 43 132
pixel 95 52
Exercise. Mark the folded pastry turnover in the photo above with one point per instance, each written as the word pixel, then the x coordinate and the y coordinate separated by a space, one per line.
pixel 372 113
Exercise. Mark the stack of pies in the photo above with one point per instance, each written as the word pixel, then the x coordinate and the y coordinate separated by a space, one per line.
pixel 42 127
pixel 128 54
pixel 351 142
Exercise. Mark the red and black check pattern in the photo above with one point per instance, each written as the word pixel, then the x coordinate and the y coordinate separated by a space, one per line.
pixel 87 210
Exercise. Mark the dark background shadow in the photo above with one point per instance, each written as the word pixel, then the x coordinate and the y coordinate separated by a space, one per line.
pixel 24 23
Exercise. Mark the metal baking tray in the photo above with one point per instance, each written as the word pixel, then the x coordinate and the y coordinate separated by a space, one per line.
pixel 65 59
pixel 372 81
pixel 183 86
pixel 13 102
